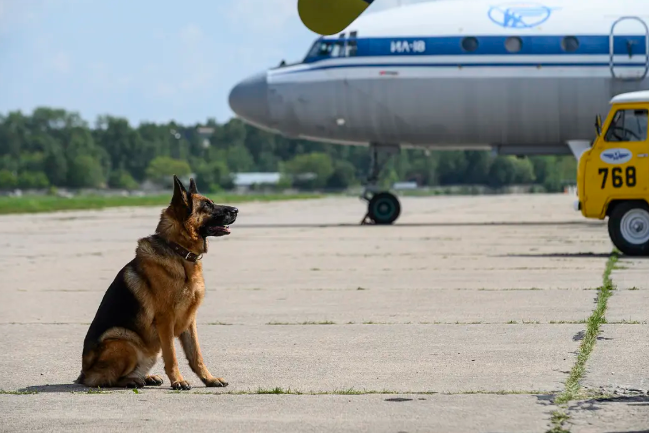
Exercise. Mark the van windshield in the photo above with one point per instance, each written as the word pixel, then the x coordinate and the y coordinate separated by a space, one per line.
pixel 628 125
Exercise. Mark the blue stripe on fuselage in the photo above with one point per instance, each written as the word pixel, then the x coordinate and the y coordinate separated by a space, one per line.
pixel 489 46
pixel 530 64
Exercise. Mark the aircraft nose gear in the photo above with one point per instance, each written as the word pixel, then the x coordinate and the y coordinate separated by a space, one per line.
pixel 383 207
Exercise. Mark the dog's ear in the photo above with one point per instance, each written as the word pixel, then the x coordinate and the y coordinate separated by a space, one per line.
pixel 192 187
pixel 180 199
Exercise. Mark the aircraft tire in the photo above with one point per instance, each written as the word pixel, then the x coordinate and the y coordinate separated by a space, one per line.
pixel 628 228
pixel 384 208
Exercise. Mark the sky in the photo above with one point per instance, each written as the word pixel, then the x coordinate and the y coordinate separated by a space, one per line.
pixel 144 60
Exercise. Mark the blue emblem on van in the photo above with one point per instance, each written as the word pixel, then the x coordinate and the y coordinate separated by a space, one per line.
pixel 616 156
pixel 519 15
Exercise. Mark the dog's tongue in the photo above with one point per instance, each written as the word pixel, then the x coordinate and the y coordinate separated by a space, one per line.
pixel 225 230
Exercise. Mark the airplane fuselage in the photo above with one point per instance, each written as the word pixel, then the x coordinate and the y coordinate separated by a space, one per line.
pixel 524 78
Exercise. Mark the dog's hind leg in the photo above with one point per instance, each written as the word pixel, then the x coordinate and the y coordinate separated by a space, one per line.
pixel 153 380
pixel 138 377
pixel 115 362
pixel 143 368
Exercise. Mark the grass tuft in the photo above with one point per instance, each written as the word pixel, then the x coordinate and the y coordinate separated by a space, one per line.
pixel 593 328
pixel 559 418
pixel 572 389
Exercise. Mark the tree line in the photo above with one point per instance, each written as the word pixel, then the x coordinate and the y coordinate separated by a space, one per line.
pixel 57 148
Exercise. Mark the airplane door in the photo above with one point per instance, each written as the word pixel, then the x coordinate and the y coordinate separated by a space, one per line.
pixel 629 49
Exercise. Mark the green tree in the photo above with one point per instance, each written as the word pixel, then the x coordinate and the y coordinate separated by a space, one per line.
pixel 239 159
pixel 310 171
pixel 8 179
pixel 477 168
pixel 523 171
pixel 55 165
pixel 452 167
pixel 69 152
pixel 502 171
pixel 32 161
pixel 423 169
pixel 122 179
pixel 32 180
pixel 162 168
pixel 343 176
pixel 213 176
pixel 85 172
pixel 124 146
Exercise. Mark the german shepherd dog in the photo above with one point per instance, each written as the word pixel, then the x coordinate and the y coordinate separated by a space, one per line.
pixel 154 298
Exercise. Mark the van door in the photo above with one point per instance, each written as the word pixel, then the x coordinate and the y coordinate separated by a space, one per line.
pixel 629 49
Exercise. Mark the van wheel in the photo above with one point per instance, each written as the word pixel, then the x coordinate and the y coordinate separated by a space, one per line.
pixel 628 227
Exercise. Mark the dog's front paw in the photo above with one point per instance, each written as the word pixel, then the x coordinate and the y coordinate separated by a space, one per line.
pixel 153 380
pixel 215 382
pixel 181 385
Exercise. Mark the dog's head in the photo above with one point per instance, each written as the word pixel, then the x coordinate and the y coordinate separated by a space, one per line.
pixel 199 215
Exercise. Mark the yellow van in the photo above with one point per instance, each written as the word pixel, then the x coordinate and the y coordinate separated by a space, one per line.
pixel 613 175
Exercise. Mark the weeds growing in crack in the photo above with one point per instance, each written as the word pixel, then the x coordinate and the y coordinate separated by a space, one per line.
pixel 593 327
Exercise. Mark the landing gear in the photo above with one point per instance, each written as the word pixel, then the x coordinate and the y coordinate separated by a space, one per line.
pixel 383 207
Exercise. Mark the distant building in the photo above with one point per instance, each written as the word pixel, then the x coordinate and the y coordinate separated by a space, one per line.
pixel 247 180
pixel 405 185
pixel 205 132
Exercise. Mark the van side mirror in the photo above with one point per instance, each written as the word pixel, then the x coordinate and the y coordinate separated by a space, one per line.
pixel 598 125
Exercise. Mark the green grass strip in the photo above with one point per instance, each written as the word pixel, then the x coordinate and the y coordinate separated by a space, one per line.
pixel 593 329
pixel 38 204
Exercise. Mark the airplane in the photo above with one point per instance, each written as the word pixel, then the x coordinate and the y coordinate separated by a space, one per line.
pixel 514 78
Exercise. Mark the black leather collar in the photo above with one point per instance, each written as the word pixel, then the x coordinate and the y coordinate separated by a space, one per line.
pixel 184 253
pixel 181 251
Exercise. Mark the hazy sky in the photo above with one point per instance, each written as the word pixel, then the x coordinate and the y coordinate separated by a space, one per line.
pixel 143 59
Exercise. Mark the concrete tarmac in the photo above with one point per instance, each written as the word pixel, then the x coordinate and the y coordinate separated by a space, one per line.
pixel 465 316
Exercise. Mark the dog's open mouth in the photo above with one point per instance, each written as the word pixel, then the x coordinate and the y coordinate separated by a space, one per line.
pixel 218 230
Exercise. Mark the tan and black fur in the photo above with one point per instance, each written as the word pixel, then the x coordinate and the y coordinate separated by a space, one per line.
pixel 154 299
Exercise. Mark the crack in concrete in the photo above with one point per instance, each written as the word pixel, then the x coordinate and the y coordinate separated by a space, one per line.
pixel 561 416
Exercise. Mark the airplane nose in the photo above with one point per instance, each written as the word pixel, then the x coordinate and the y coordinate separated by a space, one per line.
pixel 249 99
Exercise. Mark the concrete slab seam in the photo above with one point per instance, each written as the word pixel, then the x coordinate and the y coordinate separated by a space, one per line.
pixel 561 417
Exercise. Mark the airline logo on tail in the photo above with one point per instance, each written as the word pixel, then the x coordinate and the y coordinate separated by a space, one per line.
pixel 519 15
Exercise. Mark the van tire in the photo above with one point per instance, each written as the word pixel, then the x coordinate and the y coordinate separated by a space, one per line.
pixel 628 228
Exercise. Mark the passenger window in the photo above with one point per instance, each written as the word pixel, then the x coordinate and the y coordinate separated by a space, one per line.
pixel 628 125
pixel 513 44
pixel 470 44
pixel 570 44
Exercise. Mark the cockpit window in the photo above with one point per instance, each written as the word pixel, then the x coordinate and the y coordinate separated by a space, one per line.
pixel 332 48
pixel 325 49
